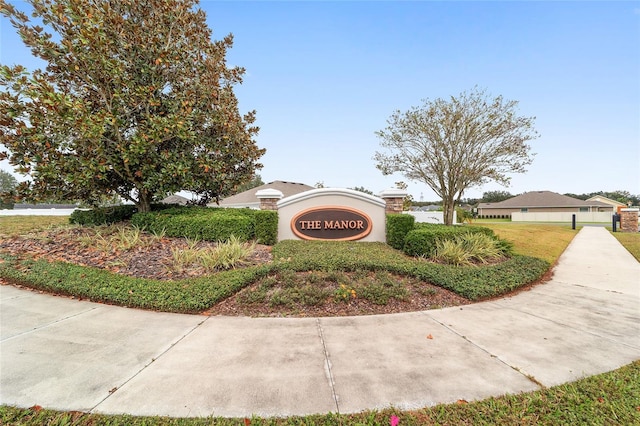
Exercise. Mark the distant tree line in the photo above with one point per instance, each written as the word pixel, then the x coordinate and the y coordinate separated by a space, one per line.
pixel 497 196
pixel 619 196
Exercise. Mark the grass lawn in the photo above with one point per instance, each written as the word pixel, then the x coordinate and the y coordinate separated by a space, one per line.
pixel 16 225
pixel 631 241
pixel 542 241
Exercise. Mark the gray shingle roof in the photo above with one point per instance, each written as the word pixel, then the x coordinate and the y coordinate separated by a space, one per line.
pixel 542 199
pixel 175 199
pixel 249 198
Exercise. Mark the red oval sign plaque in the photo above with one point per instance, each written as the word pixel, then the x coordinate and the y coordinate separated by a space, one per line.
pixel 331 223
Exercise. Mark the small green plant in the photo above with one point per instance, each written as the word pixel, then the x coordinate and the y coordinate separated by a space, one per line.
pixel 452 252
pixel 344 293
pixel 288 278
pixel 467 249
pixel 182 258
pixel 256 295
pixel 159 234
pixel 225 255
pixel 127 238
pixel 380 292
pixel 337 277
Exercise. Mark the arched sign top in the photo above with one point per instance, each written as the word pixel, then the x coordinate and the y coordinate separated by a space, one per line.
pixel 331 223
pixel 330 192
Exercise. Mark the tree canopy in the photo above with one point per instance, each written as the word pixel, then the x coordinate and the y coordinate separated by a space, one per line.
pixel 136 100
pixel 496 196
pixel 7 181
pixel 452 145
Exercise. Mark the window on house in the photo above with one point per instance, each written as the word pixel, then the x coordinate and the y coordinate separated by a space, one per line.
pixel 584 209
pixel 524 210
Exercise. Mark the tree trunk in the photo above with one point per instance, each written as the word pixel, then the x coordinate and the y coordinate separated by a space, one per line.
pixel 448 207
pixel 144 202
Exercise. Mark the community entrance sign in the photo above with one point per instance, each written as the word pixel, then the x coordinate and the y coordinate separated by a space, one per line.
pixel 332 214
pixel 331 223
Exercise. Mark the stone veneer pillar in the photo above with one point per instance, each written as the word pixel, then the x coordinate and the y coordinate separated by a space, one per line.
pixel 629 220
pixel 394 198
pixel 269 198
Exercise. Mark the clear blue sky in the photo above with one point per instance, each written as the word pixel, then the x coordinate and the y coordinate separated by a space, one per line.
pixel 324 76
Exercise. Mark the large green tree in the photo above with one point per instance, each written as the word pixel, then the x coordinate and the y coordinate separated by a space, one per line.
pixel 7 182
pixel 457 143
pixel 136 100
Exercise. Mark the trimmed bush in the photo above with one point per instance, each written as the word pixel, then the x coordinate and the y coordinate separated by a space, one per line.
pixel 203 223
pixel 422 241
pixel 109 215
pixel 398 226
pixel 212 224
pixel 102 215
pixel 266 227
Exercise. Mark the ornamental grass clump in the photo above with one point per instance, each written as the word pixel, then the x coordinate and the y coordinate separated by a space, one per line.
pixel 469 249
pixel 225 255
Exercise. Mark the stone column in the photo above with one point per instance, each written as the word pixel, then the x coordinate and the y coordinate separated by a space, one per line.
pixel 269 198
pixel 394 198
pixel 629 220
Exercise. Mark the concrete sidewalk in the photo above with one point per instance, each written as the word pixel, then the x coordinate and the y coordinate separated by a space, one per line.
pixel 71 355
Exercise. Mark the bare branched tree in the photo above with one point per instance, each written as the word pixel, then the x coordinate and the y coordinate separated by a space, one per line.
pixel 452 145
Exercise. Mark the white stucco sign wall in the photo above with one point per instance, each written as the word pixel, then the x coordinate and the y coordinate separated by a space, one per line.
pixel 332 214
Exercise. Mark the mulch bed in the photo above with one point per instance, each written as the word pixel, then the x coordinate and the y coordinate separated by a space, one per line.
pixel 154 260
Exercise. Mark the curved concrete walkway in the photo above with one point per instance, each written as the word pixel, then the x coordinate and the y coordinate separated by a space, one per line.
pixel 71 355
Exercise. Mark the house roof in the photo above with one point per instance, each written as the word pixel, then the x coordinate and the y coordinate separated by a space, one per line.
pixel 606 200
pixel 175 199
pixel 542 199
pixel 248 198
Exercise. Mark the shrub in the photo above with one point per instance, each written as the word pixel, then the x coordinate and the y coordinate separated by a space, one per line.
pixel 266 227
pixel 211 224
pixel 463 215
pixel 452 252
pixel 102 215
pixel 109 215
pixel 468 248
pixel 423 239
pixel 226 255
pixel 398 226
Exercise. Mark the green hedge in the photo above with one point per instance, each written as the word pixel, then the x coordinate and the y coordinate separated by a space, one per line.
pixel 102 215
pixel 212 224
pixel 422 240
pixel 112 214
pixel 266 227
pixel 398 226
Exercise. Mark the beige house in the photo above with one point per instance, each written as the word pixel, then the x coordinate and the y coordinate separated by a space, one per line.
pixel 617 206
pixel 248 199
pixel 541 202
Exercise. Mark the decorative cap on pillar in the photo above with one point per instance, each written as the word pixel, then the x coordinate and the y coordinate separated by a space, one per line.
pixel 269 193
pixel 269 198
pixel 393 193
